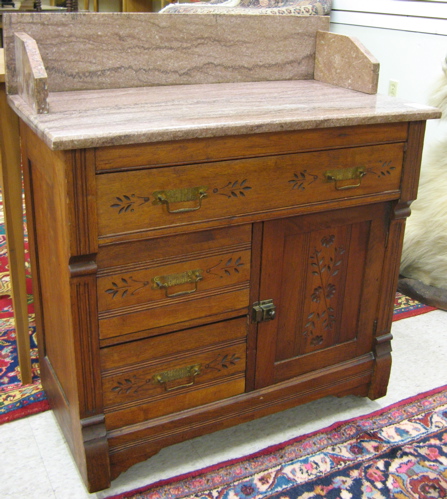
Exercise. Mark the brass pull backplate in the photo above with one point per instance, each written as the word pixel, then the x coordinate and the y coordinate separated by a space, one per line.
pixel 342 175
pixel 169 378
pixel 168 281
pixel 179 196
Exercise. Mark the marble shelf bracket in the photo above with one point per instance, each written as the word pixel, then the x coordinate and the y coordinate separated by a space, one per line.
pixel 343 61
pixel 31 73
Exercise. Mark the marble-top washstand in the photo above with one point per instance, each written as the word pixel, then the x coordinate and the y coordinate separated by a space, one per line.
pixel 82 81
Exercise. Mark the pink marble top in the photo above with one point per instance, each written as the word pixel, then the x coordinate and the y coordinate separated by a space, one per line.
pixel 94 118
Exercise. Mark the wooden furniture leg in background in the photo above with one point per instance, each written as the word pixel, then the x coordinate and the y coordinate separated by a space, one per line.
pixel 11 186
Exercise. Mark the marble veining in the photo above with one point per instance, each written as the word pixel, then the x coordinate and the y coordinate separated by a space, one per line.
pixel 342 60
pixel 118 50
pixel 32 77
pixel 138 115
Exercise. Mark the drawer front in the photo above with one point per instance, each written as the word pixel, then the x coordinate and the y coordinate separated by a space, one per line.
pixel 201 274
pixel 239 146
pixel 175 196
pixel 173 372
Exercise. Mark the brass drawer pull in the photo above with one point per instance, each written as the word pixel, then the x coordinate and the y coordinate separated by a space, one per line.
pixel 168 378
pixel 355 173
pixel 168 281
pixel 181 196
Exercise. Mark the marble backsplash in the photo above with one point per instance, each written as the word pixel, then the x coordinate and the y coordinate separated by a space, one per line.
pixel 83 51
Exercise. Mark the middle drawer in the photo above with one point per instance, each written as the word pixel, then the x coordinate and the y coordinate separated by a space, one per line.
pixel 148 285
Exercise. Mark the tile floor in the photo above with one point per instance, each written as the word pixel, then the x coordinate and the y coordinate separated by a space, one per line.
pixel 36 463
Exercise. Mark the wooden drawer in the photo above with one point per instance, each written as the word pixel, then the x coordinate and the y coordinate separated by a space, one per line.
pixel 244 146
pixel 172 280
pixel 156 198
pixel 173 372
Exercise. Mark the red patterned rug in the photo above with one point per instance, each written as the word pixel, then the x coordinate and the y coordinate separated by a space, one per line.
pixel 398 452
pixel 405 307
pixel 16 400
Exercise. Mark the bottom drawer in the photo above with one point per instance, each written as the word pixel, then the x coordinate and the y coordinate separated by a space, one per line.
pixel 173 372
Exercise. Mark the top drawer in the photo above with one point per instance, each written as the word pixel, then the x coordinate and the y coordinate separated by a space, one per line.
pixel 158 198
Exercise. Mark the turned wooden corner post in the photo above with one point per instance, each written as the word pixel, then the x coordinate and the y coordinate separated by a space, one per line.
pixel 400 212
pixel 94 464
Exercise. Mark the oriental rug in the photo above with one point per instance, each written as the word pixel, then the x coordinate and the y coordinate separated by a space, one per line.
pixel 405 307
pixel 398 452
pixel 16 400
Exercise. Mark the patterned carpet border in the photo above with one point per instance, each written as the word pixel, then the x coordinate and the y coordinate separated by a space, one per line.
pixel 21 402
pixel 298 468
pixel 405 307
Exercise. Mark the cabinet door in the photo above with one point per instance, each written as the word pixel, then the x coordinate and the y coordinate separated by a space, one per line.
pixel 323 272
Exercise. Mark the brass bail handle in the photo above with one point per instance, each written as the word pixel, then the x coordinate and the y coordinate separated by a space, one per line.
pixel 343 174
pixel 177 196
pixel 170 378
pixel 167 281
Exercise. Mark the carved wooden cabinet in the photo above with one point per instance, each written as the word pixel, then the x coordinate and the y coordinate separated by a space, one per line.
pixel 186 286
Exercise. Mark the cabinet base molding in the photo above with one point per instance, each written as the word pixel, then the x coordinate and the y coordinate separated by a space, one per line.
pixel 132 444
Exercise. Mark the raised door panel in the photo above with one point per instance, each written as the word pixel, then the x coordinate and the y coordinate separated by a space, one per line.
pixel 323 273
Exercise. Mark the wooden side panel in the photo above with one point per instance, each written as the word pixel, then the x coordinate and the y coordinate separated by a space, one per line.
pixel 65 309
pixel 47 208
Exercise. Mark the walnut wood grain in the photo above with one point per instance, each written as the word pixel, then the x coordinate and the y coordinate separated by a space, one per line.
pixel 325 290
pixel 217 148
pixel 65 306
pixel 327 256
pixel 238 187
pixel 412 161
